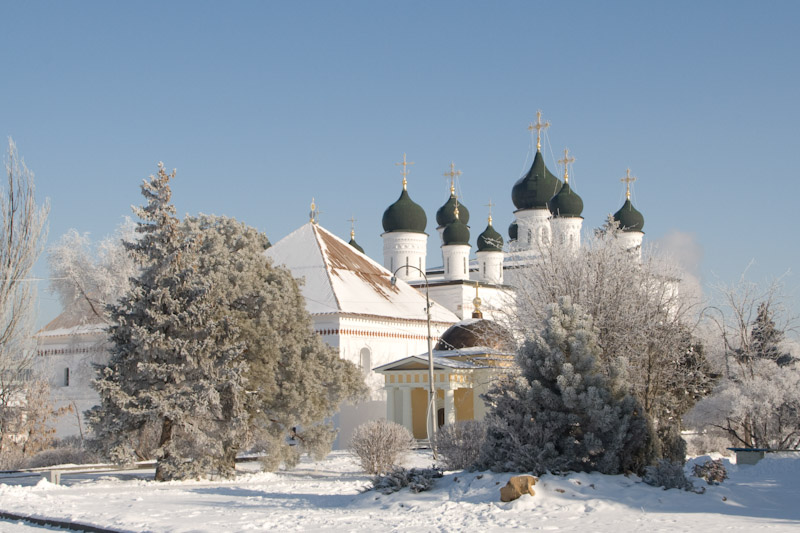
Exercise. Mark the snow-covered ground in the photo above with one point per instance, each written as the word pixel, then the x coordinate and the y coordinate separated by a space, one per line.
pixel 328 496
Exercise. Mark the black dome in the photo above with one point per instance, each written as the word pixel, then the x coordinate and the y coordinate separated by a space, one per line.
pixel 476 332
pixel 534 189
pixel 404 215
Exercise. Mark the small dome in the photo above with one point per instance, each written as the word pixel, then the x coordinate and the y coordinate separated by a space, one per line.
pixel 566 203
pixel 490 240
pixel 355 245
pixel 513 230
pixel 472 333
pixel 456 233
pixel 534 189
pixel 446 214
pixel 404 215
pixel 629 218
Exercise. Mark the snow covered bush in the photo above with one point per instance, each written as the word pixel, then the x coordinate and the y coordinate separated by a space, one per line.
pixel 459 445
pixel 380 444
pixel 667 474
pixel 416 479
pixel 60 456
pixel 713 471
pixel 561 413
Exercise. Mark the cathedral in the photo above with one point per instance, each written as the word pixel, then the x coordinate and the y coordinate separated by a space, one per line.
pixel 391 318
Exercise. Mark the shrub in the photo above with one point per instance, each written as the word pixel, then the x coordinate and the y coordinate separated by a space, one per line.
pixel 667 474
pixel 416 479
pixel 61 456
pixel 713 471
pixel 459 445
pixel 379 444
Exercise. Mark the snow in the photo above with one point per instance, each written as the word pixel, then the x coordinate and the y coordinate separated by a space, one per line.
pixel 329 495
pixel 338 278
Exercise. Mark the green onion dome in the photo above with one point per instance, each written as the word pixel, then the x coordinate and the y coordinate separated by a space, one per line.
pixel 490 240
pixel 513 230
pixel 404 215
pixel 566 203
pixel 355 245
pixel 534 189
pixel 629 218
pixel 446 214
pixel 456 233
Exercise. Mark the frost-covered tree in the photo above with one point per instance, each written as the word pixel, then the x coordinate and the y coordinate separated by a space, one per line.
pixel 643 320
pixel 757 401
pixel 562 412
pixel 174 359
pixel 22 236
pixel 88 276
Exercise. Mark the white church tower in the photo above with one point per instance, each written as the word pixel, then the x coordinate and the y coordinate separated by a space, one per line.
pixel 530 195
pixel 404 239
pixel 566 208
pixel 455 248
pixel 490 255
pixel 630 221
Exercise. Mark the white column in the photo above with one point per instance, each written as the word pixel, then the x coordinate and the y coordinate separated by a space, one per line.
pixel 390 411
pixel 407 414
pixel 449 406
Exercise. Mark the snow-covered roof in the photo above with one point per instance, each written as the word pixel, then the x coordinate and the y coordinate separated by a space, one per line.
pixel 340 279
pixel 72 322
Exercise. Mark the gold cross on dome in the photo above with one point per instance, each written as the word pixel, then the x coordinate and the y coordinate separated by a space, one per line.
pixel 628 179
pixel 490 205
pixel 352 221
pixel 452 175
pixel 404 164
pixel 313 214
pixel 566 161
pixel 539 126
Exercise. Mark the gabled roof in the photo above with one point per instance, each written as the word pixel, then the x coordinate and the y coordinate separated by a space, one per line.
pixel 73 322
pixel 340 279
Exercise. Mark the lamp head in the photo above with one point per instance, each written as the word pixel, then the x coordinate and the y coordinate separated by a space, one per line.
pixel 393 280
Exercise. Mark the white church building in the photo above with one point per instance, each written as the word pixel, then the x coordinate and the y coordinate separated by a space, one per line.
pixel 376 315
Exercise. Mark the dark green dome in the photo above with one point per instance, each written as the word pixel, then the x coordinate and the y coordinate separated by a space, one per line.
pixel 355 245
pixel 456 233
pixel 490 240
pixel 404 215
pixel 629 218
pixel 513 230
pixel 566 203
pixel 534 189
pixel 446 214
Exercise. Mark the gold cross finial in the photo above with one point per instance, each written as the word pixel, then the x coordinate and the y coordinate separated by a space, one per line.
pixel 404 164
pixel 452 175
pixel 566 161
pixel 476 313
pixel 628 179
pixel 313 214
pixel 352 227
pixel 490 205
pixel 539 126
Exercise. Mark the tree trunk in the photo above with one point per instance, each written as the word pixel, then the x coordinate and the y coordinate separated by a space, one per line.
pixel 163 445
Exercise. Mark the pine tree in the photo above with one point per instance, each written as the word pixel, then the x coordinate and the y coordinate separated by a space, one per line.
pixel 173 358
pixel 561 413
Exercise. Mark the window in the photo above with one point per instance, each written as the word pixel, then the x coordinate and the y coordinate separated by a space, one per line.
pixel 465 265
pixel 365 360
pixel 66 377
pixel 391 264
pixel 448 266
pixel 406 265
pixel 484 269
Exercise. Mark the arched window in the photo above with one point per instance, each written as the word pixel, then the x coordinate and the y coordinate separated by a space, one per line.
pixel 465 265
pixel 365 360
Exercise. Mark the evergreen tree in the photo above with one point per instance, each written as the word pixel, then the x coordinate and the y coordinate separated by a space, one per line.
pixel 561 412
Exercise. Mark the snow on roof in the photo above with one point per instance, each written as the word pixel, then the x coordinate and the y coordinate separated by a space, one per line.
pixel 73 322
pixel 340 279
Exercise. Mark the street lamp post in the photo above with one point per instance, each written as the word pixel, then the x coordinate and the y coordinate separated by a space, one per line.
pixel 431 425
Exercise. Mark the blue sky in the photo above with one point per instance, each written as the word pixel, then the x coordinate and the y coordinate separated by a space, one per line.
pixel 262 105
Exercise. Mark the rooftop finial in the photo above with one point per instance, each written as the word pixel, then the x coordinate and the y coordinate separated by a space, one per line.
pixel 539 126
pixel 452 175
pixel 490 205
pixel 628 179
pixel 404 164
pixel 476 313
pixel 313 214
pixel 566 161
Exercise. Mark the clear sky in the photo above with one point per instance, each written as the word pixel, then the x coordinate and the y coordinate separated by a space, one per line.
pixel 263 105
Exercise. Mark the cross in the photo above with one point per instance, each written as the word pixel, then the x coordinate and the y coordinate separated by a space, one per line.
pixel 352 227
pixel 628 179
pixel 539 126
pixel 452 175
pixel 490 205
pixel 404 164
pixel 566 161
pixel 313 214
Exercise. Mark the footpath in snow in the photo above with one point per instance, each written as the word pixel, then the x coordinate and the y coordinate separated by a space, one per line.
pixel 329 496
